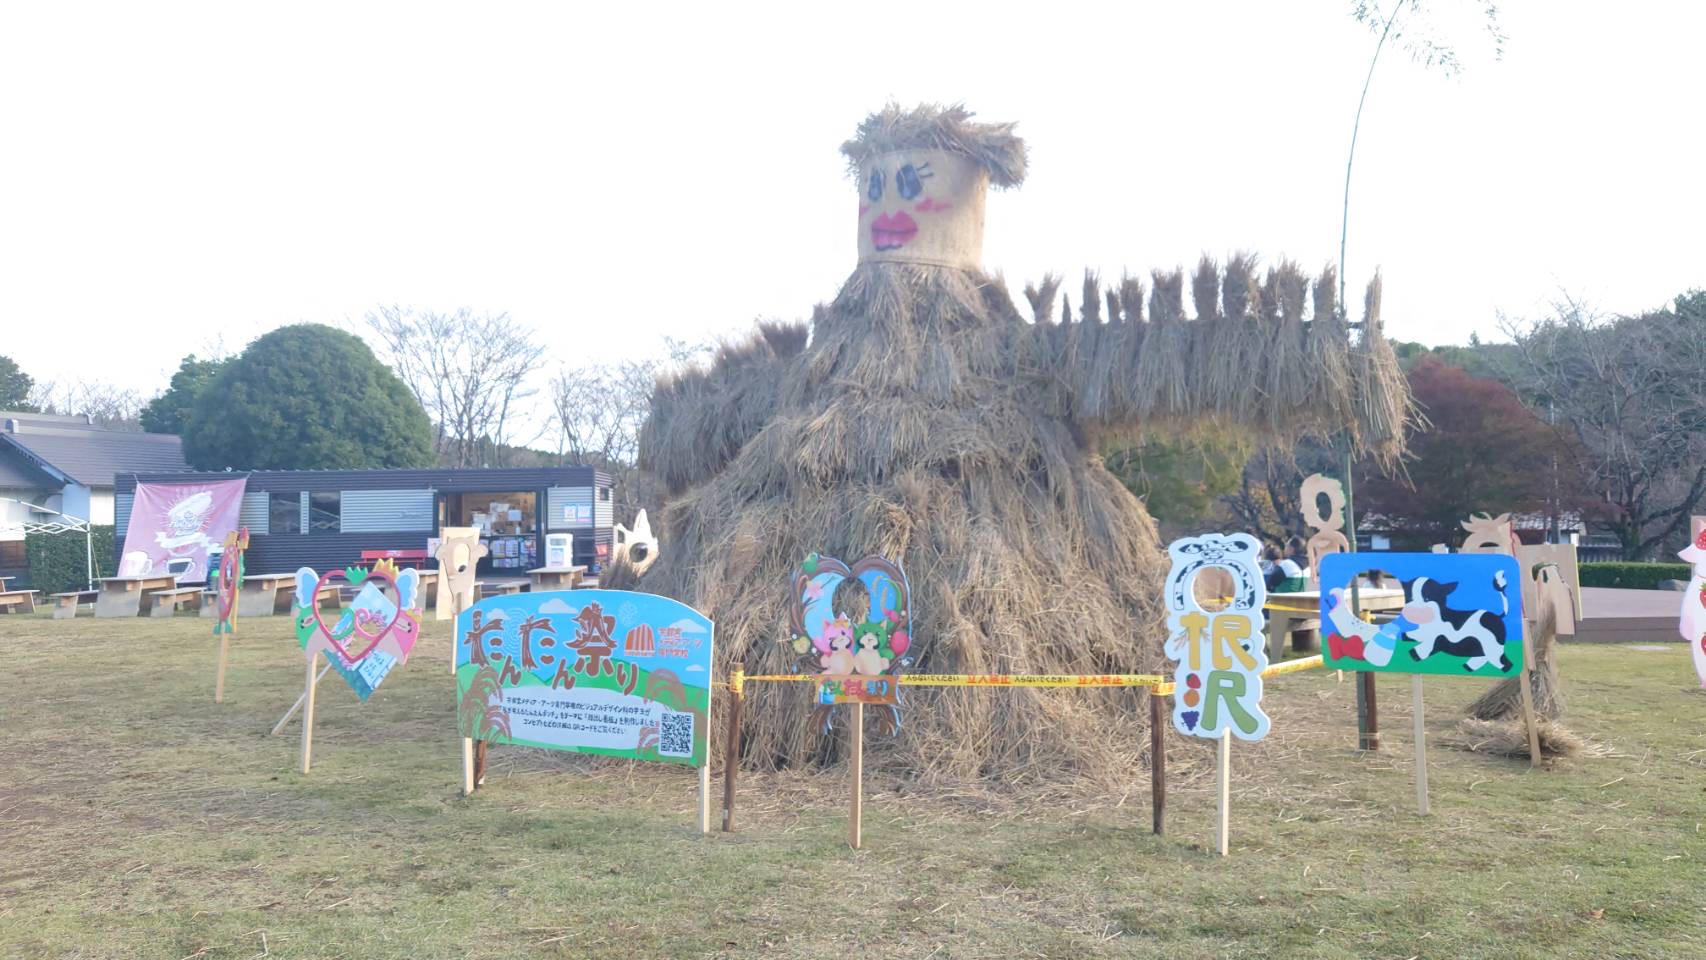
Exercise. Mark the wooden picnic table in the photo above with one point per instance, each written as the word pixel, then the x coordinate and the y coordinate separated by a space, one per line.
pixel 266 594
pixel 1300 610
pixel 131 596
pixel 556 578
pixel 427 595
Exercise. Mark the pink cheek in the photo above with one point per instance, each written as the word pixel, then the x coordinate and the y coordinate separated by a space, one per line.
pixel 931 205
pixel 864 208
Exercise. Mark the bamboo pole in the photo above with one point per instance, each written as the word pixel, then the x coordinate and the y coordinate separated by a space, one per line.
pixel 1421 744
pixel 856 828
pixel 731 761
pixel 1157 763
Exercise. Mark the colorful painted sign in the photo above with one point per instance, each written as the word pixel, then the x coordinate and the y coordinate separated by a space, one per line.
pixel 1693 622
pixel 230 582
pixel 173 526
pixel 373 634
pixel 1220 653
pixel 1462 615
pixel 606 672
pixel 852 624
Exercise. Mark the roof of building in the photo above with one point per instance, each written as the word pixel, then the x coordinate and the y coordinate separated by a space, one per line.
pixel 17 471
pixel 85 453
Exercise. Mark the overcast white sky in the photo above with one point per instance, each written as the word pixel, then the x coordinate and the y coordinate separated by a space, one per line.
pixel 611 175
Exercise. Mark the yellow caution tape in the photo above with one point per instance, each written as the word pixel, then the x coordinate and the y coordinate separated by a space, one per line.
pixel 1293 666
pixel 997 679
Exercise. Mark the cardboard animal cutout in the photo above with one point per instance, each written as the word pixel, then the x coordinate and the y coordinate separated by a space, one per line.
pixel 638 546
pixel 1329 527
pixel 1489 534
pixel 1220 654
pixel 1561 557
pixel 1693 622
pixel 853 626
pixel 605 672
pixel 373 634
pixel 1462 615
pixel 459 553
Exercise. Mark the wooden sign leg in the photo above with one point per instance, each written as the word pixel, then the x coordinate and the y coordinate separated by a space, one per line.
pixel 467 767
pixel 1368 713
pixel 1157 763
pixel 479 764
pixel 705 796
pixel 1225 790
pixel 279 726
pixel 856 829
pixel 731 762
pixel 1421 744
pixel 308 714
pixel 219 677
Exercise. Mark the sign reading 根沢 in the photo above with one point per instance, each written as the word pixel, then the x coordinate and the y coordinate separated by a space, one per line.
pixel 1220 653
pixel 606 672
pixel 1461 615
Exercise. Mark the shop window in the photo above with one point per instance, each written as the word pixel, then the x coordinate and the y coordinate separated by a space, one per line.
pixel 325 512
pixel 12 556
pixel 604 494
pixel 284 513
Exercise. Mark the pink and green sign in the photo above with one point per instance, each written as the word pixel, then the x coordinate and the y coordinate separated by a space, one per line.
pixel 374 633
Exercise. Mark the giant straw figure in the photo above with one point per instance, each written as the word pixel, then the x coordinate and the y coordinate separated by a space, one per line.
pixel 927 421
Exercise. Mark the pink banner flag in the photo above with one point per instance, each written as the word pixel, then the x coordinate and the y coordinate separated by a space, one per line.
pixel 173 525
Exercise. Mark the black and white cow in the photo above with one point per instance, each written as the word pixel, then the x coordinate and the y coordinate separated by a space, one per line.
pixel 1476 635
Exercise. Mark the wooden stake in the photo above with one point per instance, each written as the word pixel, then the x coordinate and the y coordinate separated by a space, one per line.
pixel 467 767
pixel 310 682
pixel 705 796
pixel 857 827
pixel 731 762
pixel 479 764
pixel 219 678
pixel 279 726
pixel 1225 790
pixel 1525 683
pixel 1368 713
pixel 1157 763
pixel 1421 744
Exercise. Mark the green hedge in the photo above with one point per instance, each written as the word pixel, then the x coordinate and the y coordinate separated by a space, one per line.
pixel 58 561
pixel 1633 576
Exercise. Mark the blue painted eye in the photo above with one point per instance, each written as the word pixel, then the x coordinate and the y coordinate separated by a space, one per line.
pixel 875 190
pixel 906 181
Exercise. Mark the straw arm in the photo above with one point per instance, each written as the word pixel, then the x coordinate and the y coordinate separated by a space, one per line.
pixel 1254 354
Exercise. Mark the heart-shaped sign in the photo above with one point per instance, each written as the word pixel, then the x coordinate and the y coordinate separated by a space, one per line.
pixel 373 635
pixel 836 634
pixel 230 581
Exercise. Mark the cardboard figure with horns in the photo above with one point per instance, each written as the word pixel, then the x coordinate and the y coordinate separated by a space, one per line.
pixel 924 419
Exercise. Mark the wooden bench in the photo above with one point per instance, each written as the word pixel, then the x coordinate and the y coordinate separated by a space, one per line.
pixel 498 589
pixel 19 601
pixel 403 558
pixel 65 604
pixel 166 602
pixel 330 591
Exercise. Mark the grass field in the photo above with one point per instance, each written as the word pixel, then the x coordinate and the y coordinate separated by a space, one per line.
pixel 137 819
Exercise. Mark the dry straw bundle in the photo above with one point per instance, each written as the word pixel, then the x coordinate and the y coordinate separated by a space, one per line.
pixel 929 422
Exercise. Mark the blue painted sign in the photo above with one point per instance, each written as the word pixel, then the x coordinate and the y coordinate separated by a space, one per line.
pixel 1460 615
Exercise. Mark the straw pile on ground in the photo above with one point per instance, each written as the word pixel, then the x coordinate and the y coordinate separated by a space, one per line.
pixel 927 421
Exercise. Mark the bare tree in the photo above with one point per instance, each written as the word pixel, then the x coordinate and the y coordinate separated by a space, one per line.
pixel 109 406
pixel 470 372
pixel 1633 391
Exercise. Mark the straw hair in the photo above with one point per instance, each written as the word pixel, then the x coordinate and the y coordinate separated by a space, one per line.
pixel 992 146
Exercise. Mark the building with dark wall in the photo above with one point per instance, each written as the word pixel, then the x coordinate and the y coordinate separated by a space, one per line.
pixel 326 518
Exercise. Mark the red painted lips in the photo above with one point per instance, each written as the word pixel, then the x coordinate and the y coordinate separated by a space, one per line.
pixel 891 231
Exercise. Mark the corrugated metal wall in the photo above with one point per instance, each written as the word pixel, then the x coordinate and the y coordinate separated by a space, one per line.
pixel 568 508
pixel 387 511
pixel 254 513
pixel 121 514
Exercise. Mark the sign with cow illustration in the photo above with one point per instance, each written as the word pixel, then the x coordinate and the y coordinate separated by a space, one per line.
pixel 1462 615
pixel 606 672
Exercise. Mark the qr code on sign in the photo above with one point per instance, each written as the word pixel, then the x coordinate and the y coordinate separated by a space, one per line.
pixel 675 736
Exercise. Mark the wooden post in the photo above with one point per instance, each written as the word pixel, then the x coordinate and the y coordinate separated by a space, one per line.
pixel 479 764
pixel 1421 744
pixel 467 767
pixel 219 678
pixel 279 726
pixel 1526 685
pixel 1225 790
pixel 1368 713
pixel 310 682
pixel 705 796
pixel 1157 763
pixel 857 826
pixel 731 761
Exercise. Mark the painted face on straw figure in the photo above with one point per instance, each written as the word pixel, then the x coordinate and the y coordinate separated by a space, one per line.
pixel 922 206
